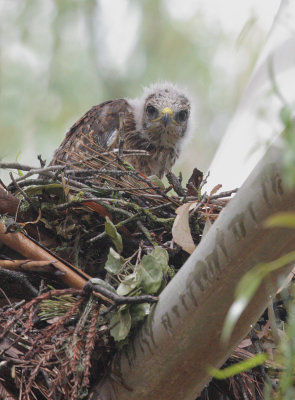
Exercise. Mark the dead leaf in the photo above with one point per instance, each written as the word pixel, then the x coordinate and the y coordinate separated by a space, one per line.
pixel 181 230
pixel 194 182
pixel 215 189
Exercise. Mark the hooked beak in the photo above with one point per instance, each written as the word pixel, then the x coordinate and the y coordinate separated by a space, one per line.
pixel 166 119
pixel 166 116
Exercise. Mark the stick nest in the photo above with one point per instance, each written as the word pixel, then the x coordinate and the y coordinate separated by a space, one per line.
pixel 114 224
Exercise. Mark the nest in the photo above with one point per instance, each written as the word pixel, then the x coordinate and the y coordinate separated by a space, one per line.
pixel 100 218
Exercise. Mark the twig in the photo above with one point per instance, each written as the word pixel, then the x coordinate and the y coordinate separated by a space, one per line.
pixel 114 209
pixel 120 189
pixel 205 179
pixel 22 192
pixel 90 286
pixel 41 171
pixel 102 201
pixel 176 184
pixel 125 152
pixel 98 200
pixel 42 162
pixel 146 232
pixel 21 167
pixel 35 182
pixel 228 193
pixel 27 265
pixel 207 198
pixel 156 208
pixel 94 172
pixel 101 171
pixel 168 189
pixel 118 226
pixel 152 186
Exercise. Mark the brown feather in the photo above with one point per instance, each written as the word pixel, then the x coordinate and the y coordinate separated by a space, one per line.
pixel 96 126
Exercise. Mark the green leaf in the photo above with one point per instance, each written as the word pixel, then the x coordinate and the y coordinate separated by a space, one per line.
pixel 112 232
pixel 238 368
pixel 120 325
pixel 152 268
pixel 100 282
pixel 139 311
pixel 128 284
pixel 114 262
pixel 247 287
pixel 161 257
pixel 281 220
pixel 151 274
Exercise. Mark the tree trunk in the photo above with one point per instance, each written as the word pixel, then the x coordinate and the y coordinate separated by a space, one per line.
pixel 167 358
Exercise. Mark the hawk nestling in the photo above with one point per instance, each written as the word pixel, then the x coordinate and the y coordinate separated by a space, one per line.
pixel 158 122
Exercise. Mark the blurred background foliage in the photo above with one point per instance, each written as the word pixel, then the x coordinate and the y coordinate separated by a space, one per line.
pixel 60 57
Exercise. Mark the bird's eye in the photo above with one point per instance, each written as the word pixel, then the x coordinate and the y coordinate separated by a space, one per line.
pixel 152 112
pixel 182 116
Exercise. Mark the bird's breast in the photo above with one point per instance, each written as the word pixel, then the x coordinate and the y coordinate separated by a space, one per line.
pixel 166 138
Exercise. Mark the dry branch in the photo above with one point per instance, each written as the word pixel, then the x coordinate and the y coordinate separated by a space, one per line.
pixel 17 241
pixel 27 265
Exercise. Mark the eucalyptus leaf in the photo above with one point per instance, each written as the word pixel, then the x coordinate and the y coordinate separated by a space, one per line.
pixel 114 262
pixel 151 273
pixel 112 232
pixel 128 284
pixel 120 325
pixel 162 258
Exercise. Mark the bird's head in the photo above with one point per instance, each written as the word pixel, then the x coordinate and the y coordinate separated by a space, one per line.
pixel 163 114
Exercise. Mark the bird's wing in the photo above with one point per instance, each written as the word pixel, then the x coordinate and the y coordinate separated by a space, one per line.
pixel 99 125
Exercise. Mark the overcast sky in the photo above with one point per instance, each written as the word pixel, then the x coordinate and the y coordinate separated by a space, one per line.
pixel 231 14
